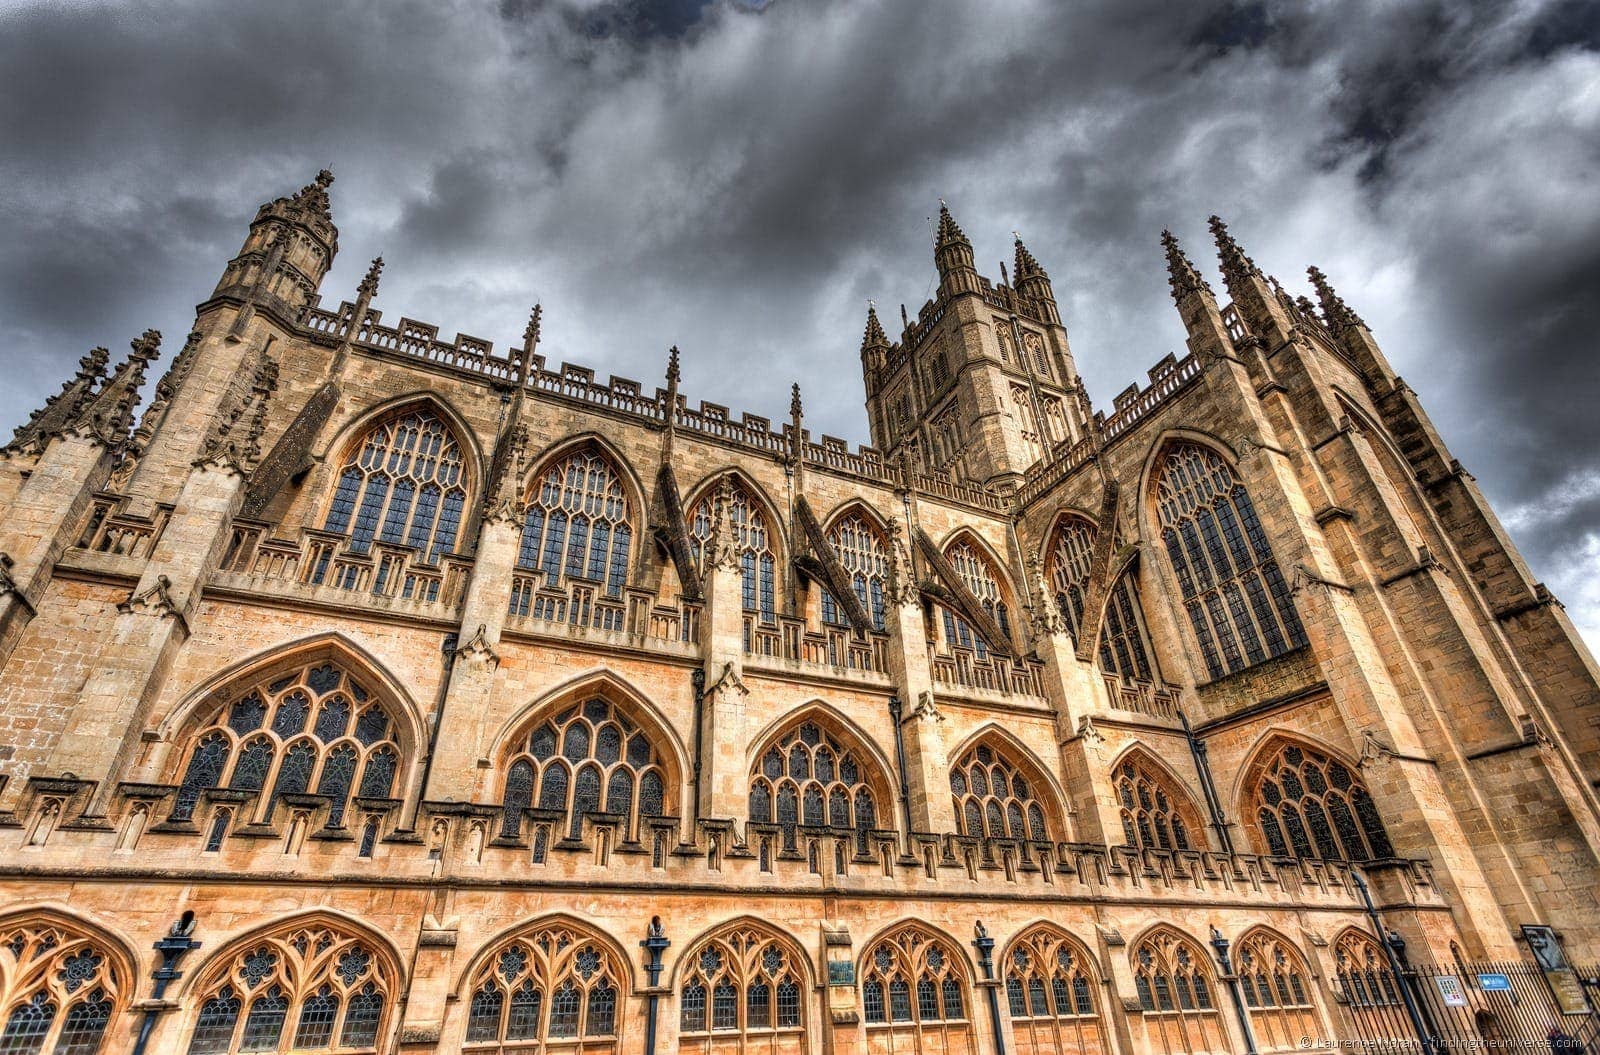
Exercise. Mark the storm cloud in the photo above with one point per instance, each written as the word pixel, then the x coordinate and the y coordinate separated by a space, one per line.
pixel 738 178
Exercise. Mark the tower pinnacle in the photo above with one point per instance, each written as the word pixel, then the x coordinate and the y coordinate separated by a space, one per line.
pixel 369 283
pixel 874 334
pixel 1183 276
pixel 1235 265
pixel 1024 266
pixel 1337 313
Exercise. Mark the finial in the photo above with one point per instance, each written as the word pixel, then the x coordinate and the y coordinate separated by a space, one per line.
pixel 1235 265
pixel 146 346
pixel 673 373
pixel 530 333
pixel 874 334
pixel 1334 310
pixel 794 401
pixel 1181 273
pixel 369 284
pixel 1023 264
pixel 324 179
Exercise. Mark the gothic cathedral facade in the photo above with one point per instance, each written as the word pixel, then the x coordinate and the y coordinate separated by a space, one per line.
pixel 456 701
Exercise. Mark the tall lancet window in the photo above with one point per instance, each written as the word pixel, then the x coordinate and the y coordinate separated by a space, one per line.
pixel 576 524
pixel 404 484
pixel 1124 643
pixel 1234 594
pixel 758 563
pixel 864 554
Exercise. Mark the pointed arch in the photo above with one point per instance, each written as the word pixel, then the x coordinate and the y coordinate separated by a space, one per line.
pixel 1301 798
pixel 556 981
pixel 1177 991
pixel 405 473
pixel 815 768
pixel 1158 810
pixel 916 989
pixel 315 979
pixel 580 518
pixel 860 507
pixel 1275 982
pixel 319 715
pixel 987 576
pixel 1235 597
pixel 861 540
pixel 1362 969
pixel 1051 980
pixel 64 981
pixel 637 495
pixel 593 744
pixel 742 988
pixel 986 755
pixel 762 536
pixel 1068 557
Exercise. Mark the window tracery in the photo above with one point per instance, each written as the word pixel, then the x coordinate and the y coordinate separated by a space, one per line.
pixel 864 554
pixel 309 987
pixel 556 989
pixel 1174 987
pixel 60 989
pixel 743 991
pixel 1050 989
pixel 979 577
pixel 913 987
pixel 314 730
pixel 403 484
pixel 1124 642
pixel 808 777
pixel 1234 594
pixel 1363 970
pixel 1155 814
pixel 1272 979
pixel 576 525
pixel 758 561
pixel 1310 805
pixel 993 799
pixel 590 757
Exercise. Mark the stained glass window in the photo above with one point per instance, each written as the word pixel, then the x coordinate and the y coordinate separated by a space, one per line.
pixel 1311 805
pixel 863 552
pixel 1156 812
pixel 757 556
pixel 741 967
pixel 577 525
pixel 60 986
pixel 393 482
pixel 810 765
pixel 994 799
pixel 926 987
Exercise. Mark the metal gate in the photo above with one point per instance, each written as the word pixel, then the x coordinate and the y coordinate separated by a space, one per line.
pixel 1478 1007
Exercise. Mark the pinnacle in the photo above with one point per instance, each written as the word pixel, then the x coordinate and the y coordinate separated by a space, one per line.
pixel 313 197
pixel 949 230
pixel 369 284
pixel 874 334
pixel 1181 272
pixel 1334 310
pixel 794 401
pixel 673 373
pixel 1024 265
pixel 530 333
pixel 1235 264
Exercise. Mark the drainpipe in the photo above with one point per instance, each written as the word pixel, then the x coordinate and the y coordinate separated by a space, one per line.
pixel 1231 980
pixel 900 759
pixel 697 678
pixel 985 946
pixel 654 944
pixel 1393 944
pixel 1202 764
pixel 173 948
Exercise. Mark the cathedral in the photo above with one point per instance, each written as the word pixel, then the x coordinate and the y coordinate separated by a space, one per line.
pixel 369 692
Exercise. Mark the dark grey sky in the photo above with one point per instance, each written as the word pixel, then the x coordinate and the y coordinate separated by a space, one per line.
pixel 738 179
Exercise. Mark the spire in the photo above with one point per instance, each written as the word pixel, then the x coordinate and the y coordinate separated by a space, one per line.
pixel 874 335
pixel 1181 273
pixel 369 284
pixel 1024 265
pixel 62 408
pixel 109 415
pixel 949 230
pixel 1235 265
pixel 1334 310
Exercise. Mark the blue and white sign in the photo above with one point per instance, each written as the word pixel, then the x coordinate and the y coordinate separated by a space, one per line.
pixel 1494 983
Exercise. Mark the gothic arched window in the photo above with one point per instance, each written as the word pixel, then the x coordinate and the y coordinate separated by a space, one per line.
pixel 758 562
pixel 590 757
pixel 1124 643
pixel 914 993
pixel 1311 805
pixel 1155 814
pixel 743 991
pixel 864 553
pixel 307 987
pixel 1174 986
pixel 576 524
pixel 1272 978
pixel 313 730
pixel 808 777
pixel 1364 973
pixel 403 484
pixel 1070 560
pixel 1028 421
pixel 1234 594
pixel 993 799
pixel 59 989
pixel 979 577
pixel 554 989
pixel 1050 988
